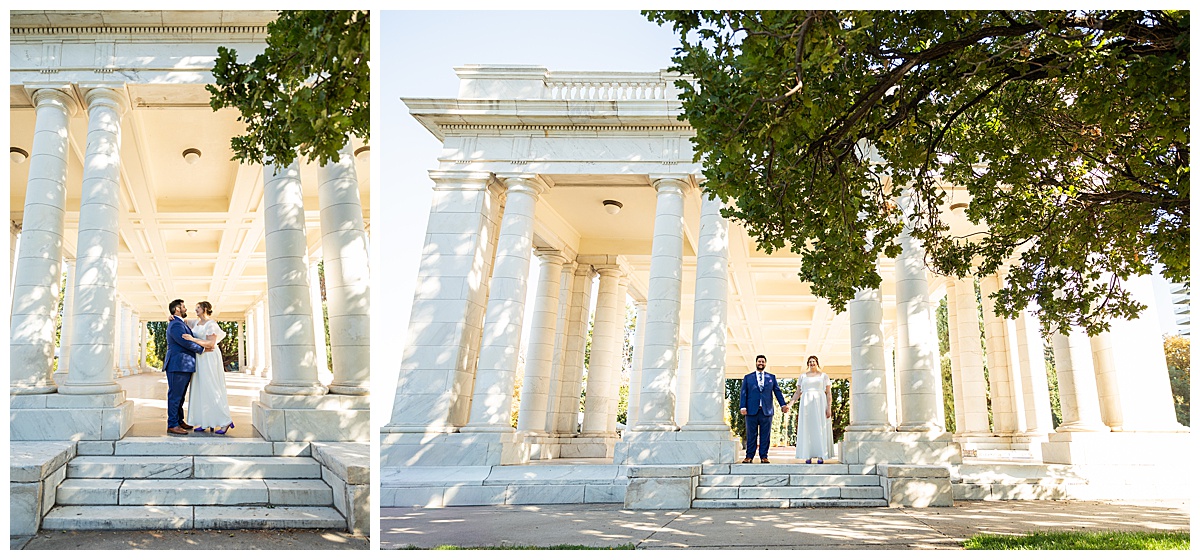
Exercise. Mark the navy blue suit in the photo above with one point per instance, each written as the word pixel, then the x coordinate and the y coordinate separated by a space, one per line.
pixel 759 411
pixel 179 365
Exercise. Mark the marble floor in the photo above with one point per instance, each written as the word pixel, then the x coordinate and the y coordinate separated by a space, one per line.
pixel 148 391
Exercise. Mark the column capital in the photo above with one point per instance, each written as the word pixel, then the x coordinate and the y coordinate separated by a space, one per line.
pixel 550 255
pixel 110 95
pixel 53 94
pixel 680 182
pixel 610 270
pixel 527 183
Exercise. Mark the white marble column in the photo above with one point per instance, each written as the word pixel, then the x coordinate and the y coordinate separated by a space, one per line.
pixel 1138 396
pixel 1008 414
pixel 710 317
pixel 491 405
pixel 868 367
pixel 539 352
pixel 68 321
pixel 135 343
pixel 919 381
pixel 120 323
pixel 683 385
pixel 254 348
pixel 347 276
pixel 635 376
pixel 293 352
pixel 657 403
pixel 96 306
pixel 1038 417
pixel 37 270
pixel 566 274
pixel 576 339
pixel 1077 392
pixel 605 363
pixel 889 377
pixel 318 319
pixel 969 354
pixel 125 355
pixel 145 333
pixel 14 239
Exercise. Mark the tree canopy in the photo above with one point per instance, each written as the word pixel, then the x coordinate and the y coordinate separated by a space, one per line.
pixel 831 130
pixel 307 94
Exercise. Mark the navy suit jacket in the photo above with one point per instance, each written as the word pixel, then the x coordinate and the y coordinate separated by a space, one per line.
pixel 752 396
pixel 181 354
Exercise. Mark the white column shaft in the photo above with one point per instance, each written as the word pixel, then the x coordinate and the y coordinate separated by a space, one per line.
pixel 495 376
pixel 566 274
pixel 604 363
pixel 710 318
pixel 920 383
pixel 955 361
pixel 96 311
pixel 241 338
pixel 868 367
pixel 969 353
pixel 347 275
pixel 657 403
pixel 37 270
pixel 1007 416
pixel 576 339
pixel 1030 351
pixel 539 352
pixel 1077 392
pixel 289 305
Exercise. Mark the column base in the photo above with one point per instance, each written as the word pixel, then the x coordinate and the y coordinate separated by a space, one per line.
pixel 1118 448
pixel 57 417
pixel 913 448
pixel 676 448
pixel 411 449
pixel 312 417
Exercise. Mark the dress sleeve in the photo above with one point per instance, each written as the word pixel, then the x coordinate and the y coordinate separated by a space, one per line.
pixel 216 329
pixel 828 381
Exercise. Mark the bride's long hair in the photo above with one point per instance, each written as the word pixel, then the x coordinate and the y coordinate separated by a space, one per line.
pixel 814 359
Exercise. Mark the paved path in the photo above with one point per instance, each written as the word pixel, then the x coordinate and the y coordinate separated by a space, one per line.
pixel 601 525
pixel 283 539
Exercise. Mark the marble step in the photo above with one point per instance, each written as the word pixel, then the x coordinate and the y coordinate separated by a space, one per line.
pixel 198 444
pixel 786 503
pixel 789 492
pixel 193 492
pixel 786 468
pixel 88 518
pixel 784 479
pixel 175 466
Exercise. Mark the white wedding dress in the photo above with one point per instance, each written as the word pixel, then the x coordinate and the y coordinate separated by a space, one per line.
pixel 814 432
pixel 208 399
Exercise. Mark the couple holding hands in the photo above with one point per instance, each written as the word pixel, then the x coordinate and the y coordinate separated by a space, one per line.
pixel 814 425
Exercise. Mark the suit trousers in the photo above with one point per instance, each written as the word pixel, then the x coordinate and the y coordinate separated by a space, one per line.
pixel 758 434
pixel 177 384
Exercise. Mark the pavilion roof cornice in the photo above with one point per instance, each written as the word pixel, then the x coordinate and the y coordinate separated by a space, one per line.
pixel 443 116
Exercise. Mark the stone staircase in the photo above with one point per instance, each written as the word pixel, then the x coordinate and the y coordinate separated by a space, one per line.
pixel 197 482
pixel 788 486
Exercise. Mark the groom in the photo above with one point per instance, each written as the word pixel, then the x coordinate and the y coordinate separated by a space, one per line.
pixel 756 406
pixel 179 366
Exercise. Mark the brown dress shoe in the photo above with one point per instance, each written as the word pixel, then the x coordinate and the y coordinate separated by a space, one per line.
pixel 185 425
pixel 747 460
pixel 176 431
pixel 764 461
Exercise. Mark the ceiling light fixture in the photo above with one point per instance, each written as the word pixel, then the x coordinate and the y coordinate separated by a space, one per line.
pixel 17 155
pixel 191 232
pixel 363 152
pixel 613 206
pixel 958 206
pixel 190 155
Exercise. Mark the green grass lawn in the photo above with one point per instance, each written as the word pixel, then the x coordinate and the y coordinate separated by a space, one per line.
pixel 1103 540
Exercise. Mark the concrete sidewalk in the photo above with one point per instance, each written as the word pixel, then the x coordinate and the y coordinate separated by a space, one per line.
pixel 608 525
pixel 191 539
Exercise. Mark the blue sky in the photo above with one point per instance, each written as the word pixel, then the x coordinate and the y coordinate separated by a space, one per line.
pixel 418 53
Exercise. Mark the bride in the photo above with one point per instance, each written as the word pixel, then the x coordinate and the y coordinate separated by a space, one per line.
pixel 208 402
pixel 814 424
